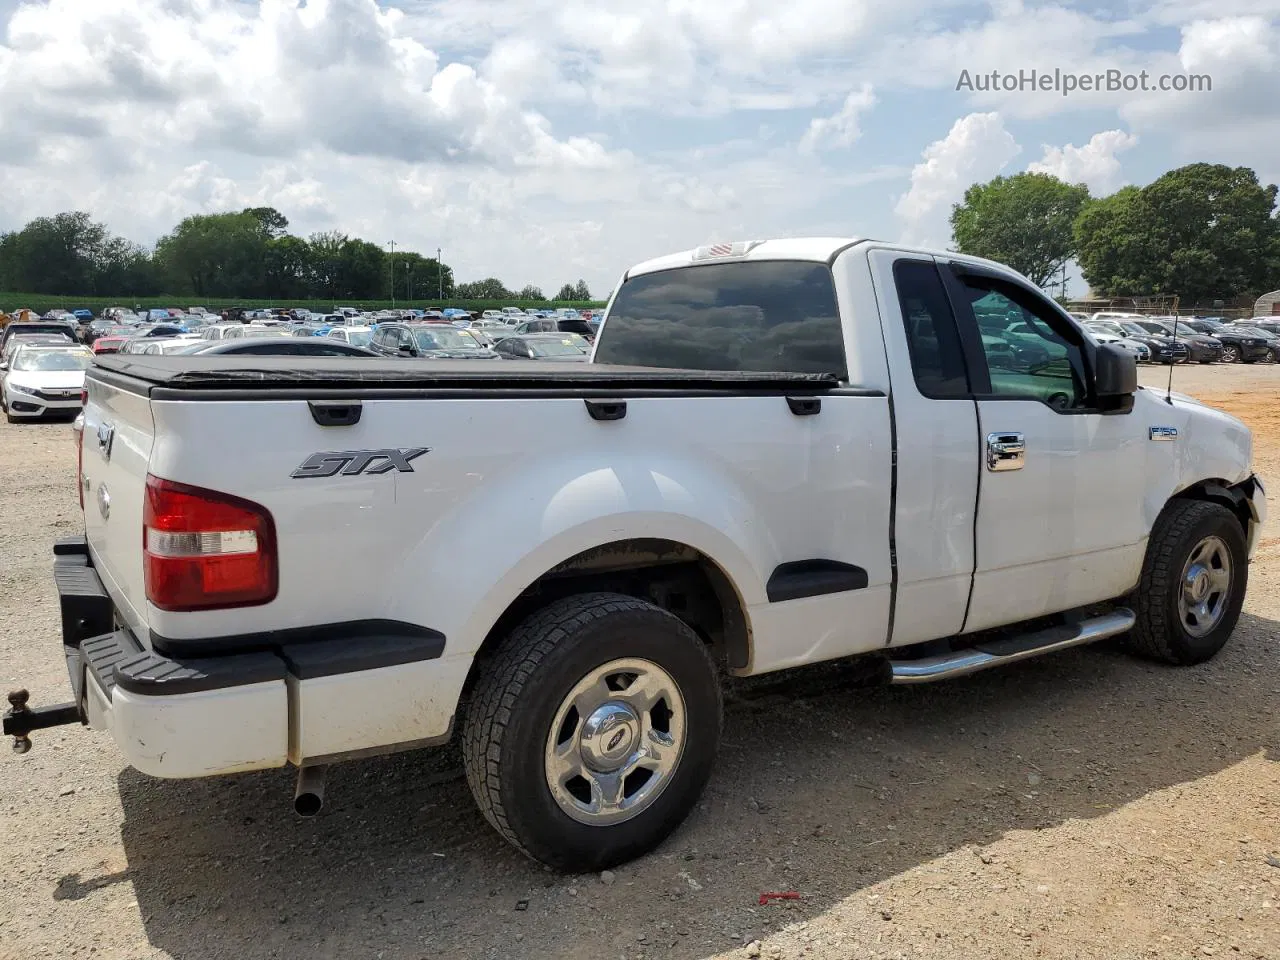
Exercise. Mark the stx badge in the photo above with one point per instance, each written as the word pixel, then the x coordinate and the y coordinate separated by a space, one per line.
pixel 352 463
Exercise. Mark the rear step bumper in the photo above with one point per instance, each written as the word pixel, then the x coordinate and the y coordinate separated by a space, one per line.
pixel 318 696
pixel 1012 649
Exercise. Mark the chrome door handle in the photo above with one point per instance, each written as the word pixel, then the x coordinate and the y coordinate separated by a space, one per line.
pixel 1005 451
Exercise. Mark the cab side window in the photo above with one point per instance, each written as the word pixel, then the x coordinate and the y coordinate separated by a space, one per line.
pixel 933 341
pixel 1030 354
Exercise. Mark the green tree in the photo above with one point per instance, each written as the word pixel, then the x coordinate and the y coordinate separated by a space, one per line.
pixel 1203 231
pixel 1024 220
pixel 567 292
pixel 221 255
pixel 274 223
pixel 490 288
pixel 581 291
pixel 530 292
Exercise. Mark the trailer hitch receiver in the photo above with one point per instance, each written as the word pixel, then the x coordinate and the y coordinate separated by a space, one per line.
pixel 20 720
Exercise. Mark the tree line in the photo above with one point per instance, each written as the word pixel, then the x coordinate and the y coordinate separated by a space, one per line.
pixel 247 255
pixel 1201 232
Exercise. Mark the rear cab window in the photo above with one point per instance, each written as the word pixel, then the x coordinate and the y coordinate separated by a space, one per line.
pixel 766 316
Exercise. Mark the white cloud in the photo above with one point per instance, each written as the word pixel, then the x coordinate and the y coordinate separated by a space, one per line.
pixel 975 149
pixel 840 129
pixel 542 140
pixel 1094 164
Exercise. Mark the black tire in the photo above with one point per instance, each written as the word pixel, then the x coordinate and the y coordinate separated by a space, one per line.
pixel 1206 361
pixel 515 701
pixel 1160 633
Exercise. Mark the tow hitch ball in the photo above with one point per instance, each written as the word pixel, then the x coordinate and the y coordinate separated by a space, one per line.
pixel 20 720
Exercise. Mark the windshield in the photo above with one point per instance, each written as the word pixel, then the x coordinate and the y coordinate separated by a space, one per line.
pixel 265 332
pixel 557 348
pixel 359 338
pixel 1130 327
pixel 444 338
pixel 765 316
pixel 1102 326
pixel 49 360
pixel 1151 326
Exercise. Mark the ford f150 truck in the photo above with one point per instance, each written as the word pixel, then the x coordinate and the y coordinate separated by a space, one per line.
pixel 781 453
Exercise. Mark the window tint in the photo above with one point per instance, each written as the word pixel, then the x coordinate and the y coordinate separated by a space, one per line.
pixel 766 316
pixel 1026 356
pixel 937 360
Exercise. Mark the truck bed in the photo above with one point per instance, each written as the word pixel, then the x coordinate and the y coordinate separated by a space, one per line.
pixel 245 378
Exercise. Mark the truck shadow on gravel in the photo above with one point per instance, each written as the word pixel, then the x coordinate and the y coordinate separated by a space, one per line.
pixel 822 789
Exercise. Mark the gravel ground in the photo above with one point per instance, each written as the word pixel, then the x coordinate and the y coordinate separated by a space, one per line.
pixel 1084 805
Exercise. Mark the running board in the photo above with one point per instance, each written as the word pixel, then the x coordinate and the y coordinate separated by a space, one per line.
pixel 1010 649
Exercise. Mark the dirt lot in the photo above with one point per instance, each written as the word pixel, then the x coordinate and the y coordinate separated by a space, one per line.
pixel 1085 805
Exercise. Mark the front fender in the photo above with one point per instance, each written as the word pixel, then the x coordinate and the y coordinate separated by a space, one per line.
pixel 467 569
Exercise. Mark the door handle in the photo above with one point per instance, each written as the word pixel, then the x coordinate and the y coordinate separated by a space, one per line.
pixel 1005 451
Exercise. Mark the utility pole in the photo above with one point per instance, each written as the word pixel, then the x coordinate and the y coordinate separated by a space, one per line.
pixel 408 278
pixel 393 274
pixel 440 275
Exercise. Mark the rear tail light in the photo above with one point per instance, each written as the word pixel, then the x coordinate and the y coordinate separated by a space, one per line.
pixel 206 550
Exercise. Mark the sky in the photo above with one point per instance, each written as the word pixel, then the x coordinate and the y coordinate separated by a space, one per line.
pixel 543 141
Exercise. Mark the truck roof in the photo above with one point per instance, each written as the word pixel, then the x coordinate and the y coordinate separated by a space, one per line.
pixel 797 248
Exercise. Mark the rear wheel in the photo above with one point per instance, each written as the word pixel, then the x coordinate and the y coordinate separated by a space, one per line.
pixel 592 730
pixel 1193 583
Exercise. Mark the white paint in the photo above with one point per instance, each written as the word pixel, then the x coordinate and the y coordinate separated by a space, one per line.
pixel 372 708
pixel 511 489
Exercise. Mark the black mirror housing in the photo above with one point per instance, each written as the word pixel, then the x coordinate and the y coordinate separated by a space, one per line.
pixel 1115 378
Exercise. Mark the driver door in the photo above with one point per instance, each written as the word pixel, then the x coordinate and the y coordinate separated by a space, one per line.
pixel 1060 519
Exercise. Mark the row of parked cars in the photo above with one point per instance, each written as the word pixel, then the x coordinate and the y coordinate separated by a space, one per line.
pixel 1189 339
pixel 42 362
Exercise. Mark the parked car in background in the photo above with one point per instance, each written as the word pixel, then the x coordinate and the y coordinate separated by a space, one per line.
pixel 1200 348
pixel 426 340
pixel 567 347
pixel 41 379
pixel 251 330
pixel 56 328
pixel 1239 344
pixel 274 347
pixel 1106 332
pixel 109 344
pixel 356 336
pixel 31 339
pixel 1164 349
pixel 562 324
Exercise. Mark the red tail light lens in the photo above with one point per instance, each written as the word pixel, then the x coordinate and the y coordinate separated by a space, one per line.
pixel 206 550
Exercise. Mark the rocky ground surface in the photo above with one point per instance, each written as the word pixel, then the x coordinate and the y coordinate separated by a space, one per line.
pixel 1085 805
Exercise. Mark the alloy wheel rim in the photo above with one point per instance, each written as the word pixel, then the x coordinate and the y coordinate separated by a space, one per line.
pixel 615 742
pixel 1205 587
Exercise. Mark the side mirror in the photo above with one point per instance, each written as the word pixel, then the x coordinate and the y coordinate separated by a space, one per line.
pixel 1115 377
pixel 406 349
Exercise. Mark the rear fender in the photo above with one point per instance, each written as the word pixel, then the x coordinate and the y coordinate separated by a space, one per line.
pixel 465 572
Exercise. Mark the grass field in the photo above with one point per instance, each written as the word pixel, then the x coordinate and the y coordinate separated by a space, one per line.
pixel 41 302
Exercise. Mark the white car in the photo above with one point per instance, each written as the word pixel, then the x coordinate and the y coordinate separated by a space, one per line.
pixel 42 379
pixel 356 336
pixel 1105 332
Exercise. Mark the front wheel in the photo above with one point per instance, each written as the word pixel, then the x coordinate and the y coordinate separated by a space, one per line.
pixel 1193 583
pixel 592 731
pixel 1230 354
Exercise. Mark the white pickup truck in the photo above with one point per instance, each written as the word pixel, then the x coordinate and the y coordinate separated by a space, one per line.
pixel 781 453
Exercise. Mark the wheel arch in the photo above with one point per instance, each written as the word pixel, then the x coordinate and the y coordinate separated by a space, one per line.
pixel 680 578
pixel 1237 497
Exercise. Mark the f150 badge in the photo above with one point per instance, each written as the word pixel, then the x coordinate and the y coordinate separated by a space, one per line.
pixel 1163 433
pixel 352 463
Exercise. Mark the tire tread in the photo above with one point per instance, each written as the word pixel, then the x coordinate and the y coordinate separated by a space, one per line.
pixel 502 681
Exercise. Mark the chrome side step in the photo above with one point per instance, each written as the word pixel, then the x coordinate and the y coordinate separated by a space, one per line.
pixel 1011 649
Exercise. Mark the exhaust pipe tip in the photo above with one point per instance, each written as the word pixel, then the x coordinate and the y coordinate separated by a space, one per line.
pixel 308 796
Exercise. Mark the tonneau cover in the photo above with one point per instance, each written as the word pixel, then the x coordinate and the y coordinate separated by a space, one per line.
pixel 217 373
